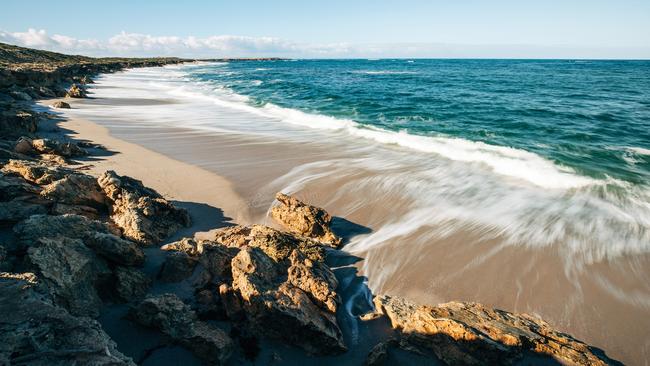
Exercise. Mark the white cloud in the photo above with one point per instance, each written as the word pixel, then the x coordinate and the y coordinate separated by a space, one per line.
pixel 134 44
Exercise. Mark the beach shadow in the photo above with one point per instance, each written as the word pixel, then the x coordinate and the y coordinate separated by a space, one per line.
pixel 347 229
pixel 204 218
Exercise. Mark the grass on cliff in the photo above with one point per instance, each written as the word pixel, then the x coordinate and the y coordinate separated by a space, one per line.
pixel 11 56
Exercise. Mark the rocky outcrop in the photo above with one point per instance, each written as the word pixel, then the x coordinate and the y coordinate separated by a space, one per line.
pixel 142 214
pixel 277 308
pixel 35 172
pixel 14 123
pixel 303 219
pixel 177 266
pixel 60 105
pixel 78 259
pixel 473 334
pixel 61 148
pixel 272 283
pixel 71 271
pixel 76 91
pixel 34 331
pixel 176 320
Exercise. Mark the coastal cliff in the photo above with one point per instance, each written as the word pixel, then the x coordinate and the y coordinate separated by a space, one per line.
pixel 73 243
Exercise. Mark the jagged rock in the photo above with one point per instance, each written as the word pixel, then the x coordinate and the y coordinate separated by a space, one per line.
pixel 65 209
pixel 24 146
pixel 46 92
pixel 76 189
pixel 303 219
pixel 19 95
pixel 76 91
pixel 49 146
pixel 279 309
pixel 71 271
pixel 473 334
pixel 35 172
pixel 19 209
pixel 115 249
pixel 175 319
pixel 208 305
pixel 94 234
pixel 36 332
pixel 315 278
pixel 17 123
pixel 131 283
pixel 52 159
pixel 61 105
pixel 378 355
pixel 142 214
pixel 274 243
pixel 177 267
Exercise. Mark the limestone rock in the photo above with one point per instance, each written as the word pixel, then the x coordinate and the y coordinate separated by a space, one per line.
pixel 303 219
pixel 76 189
pixel 315 278
pixel 50 146
pixel 34 172
pixel 473 334
pixel 274 243
pixel 61 105
pixel 71 271
pixel 175 319
pixel 141 213
pixel 177 267
pixel 281 310
pixel 76 91
pixel 19 209
pixel 93 234
pixel 131 283
pixel 36 332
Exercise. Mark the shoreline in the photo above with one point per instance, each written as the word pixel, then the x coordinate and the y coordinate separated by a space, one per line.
pixel 187 185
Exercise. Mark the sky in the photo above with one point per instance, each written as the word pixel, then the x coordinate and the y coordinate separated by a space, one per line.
pixel 333 29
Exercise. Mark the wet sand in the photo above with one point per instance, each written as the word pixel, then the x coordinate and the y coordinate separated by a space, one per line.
pixel 603 303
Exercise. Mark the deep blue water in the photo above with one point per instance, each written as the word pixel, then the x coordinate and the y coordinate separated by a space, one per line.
pixel 591 116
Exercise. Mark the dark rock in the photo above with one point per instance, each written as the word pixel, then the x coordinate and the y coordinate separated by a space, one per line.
pixel 36 332
pixel 177 267
pixel 131 283
pixel 61 105
pixel 175 319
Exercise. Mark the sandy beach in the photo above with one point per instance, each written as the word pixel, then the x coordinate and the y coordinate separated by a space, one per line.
pixel 229 177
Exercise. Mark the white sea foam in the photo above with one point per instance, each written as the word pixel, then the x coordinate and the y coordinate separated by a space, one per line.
pixel 453 184
pixel 384 72
pixel 505 161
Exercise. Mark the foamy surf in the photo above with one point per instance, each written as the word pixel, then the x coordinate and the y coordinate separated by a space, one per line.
pixel 505 161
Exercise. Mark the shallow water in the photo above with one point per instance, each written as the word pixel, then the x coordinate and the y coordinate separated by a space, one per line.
pixel 525 219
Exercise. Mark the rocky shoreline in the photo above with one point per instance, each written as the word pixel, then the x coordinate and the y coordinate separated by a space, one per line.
pixel 73 243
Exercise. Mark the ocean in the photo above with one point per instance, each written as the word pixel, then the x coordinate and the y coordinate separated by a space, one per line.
pixel 522 184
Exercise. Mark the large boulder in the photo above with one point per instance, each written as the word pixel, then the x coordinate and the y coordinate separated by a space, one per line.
pixel 17 123
pixel 142 214
pixel 303 219
pixel 277 308
pixel 61 105
pixel 175 319
pixel 36 332
pixel 76 189
pixel 76 91
pixel 71 272
pixel 473 334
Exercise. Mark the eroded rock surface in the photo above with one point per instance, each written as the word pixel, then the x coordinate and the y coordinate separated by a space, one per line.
pixel 34 331
pixel 174 318
pixel 76 91
pixel 142 214
pixel 303 219
pixel 473 334
pixel 61 104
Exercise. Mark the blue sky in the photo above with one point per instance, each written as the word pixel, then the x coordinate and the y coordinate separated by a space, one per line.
pixel 407 28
